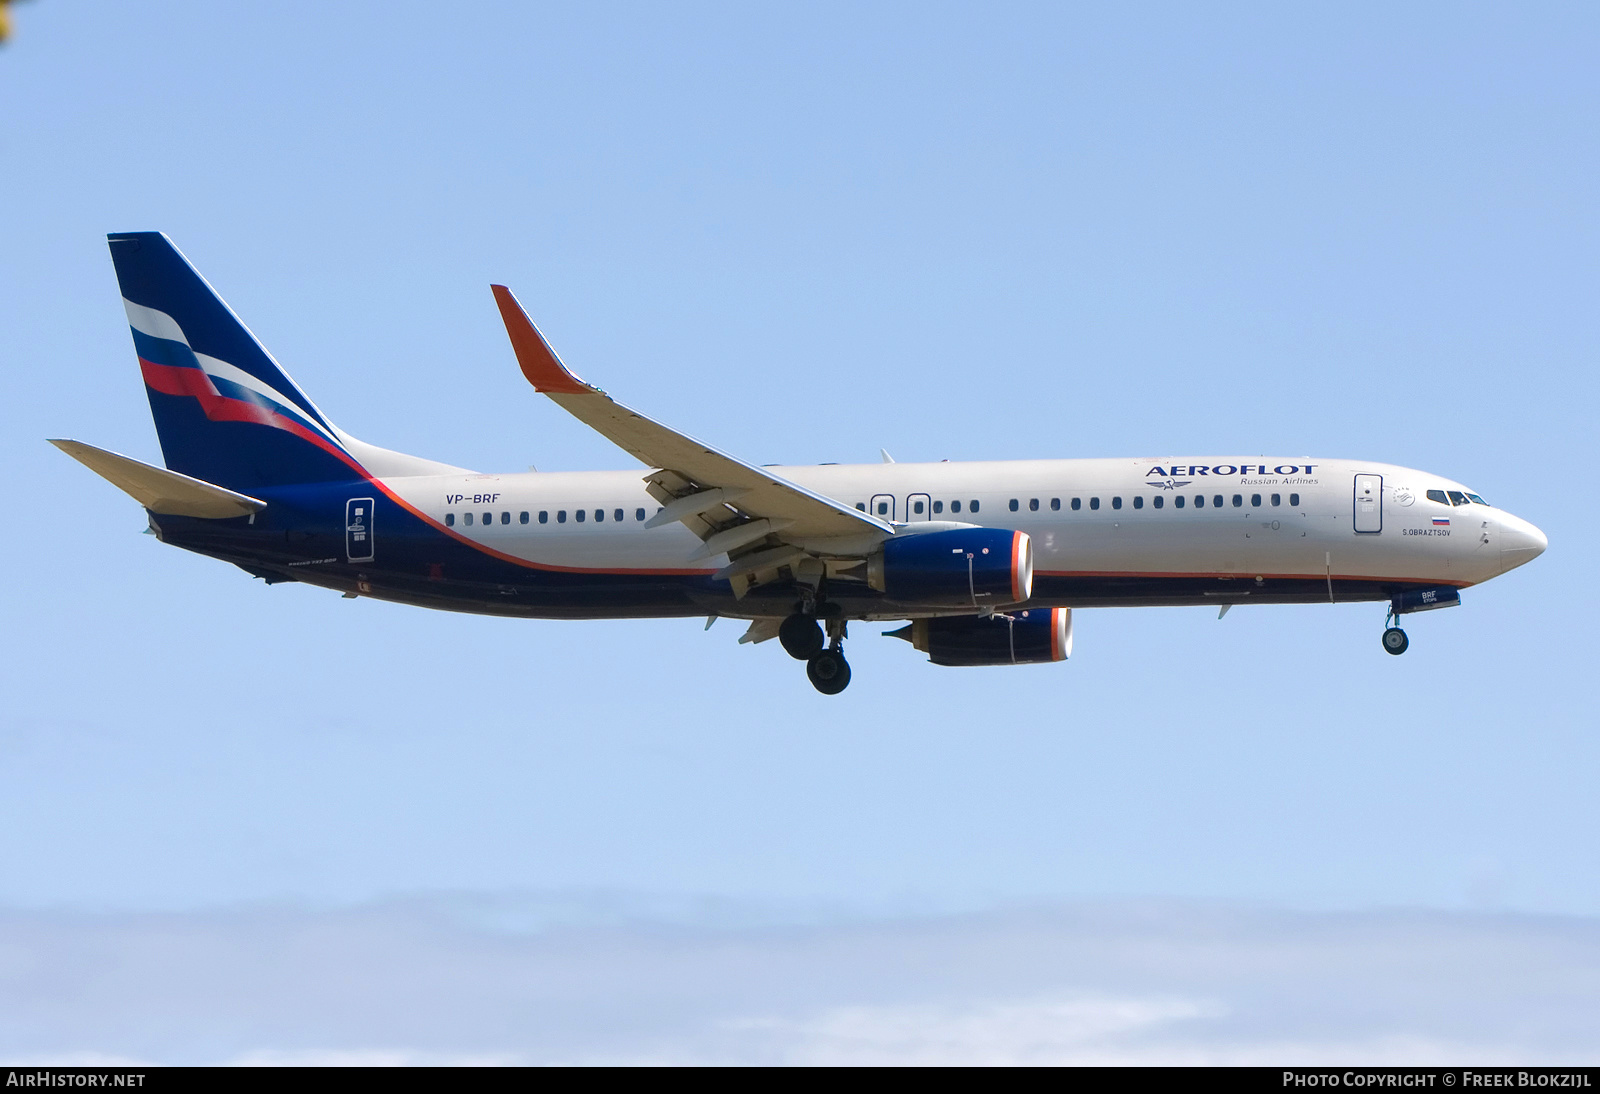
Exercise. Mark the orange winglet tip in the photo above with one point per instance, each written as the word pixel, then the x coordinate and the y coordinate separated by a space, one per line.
pixel 539 362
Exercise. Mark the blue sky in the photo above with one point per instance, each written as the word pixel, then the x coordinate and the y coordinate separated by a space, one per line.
pixel 804 234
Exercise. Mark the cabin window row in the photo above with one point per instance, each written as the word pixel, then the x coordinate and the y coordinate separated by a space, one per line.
pixel 579 516
pixel 1218 501
pixel 882 507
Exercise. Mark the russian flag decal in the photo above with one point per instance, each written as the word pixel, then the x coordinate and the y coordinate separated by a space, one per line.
pixel 1441 522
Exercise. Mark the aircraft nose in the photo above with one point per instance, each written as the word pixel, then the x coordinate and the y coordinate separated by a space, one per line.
pixel 1520 542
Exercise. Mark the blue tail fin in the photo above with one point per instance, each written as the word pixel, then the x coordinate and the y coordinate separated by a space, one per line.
pixel 225 411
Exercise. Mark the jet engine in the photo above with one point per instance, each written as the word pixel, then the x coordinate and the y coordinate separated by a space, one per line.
pixel 1032 637
pixel 977 567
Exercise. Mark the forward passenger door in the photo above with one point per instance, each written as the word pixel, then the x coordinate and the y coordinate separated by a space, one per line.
pixel 1369 503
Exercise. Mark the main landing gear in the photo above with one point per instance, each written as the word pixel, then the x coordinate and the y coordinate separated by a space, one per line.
pixel 801 636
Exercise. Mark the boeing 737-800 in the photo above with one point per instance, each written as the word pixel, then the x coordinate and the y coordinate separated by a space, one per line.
pixel 985 560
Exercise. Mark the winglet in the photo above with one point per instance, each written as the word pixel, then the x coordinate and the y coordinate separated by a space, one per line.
pixel 539 362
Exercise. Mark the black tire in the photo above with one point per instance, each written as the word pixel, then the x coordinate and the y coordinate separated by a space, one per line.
pixel 1395 641
pixel 801 636
pixel 829 672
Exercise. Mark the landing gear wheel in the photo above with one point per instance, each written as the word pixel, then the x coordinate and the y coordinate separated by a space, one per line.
pixel 829 672
pixel 800 636
pixel 1395 641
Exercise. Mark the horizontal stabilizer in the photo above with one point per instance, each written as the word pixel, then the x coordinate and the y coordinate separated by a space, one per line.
pixel 160 490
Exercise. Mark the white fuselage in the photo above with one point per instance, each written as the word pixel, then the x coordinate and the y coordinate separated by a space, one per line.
pixel 1259 518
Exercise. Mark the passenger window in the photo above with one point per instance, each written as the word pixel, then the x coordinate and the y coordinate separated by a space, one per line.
pixel 544 516
pixel 1158 501
pixel 1277 499
pixel 955 507
pixel 1438 496
pixel 938 507
pixel 1217 501
pixel 883 508
pixel 1077 503
pixel 1094 503
pixel 973 506
pixel 1294 500
pixel 561 516
pixel 1457 498
pixel 1138 501
pixel 916 506
pixel 449 520
pixel 1055 504
pixel 1177 502
pixel 1255 501
pixel 505 518
pixel 1033 505
pixel 638 514
pixel 1199 501
pixel 599 515
pixel 522 517
pixel 617 516
pixel 1238 501
pixel 1013 505
pixel 579 515
pixel 1116 503
pixel 861 505
pixel 488 518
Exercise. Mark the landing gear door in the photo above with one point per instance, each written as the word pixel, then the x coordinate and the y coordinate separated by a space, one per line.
pixel 358 529
pixel 918 507
pixel 1369 503
pixel 883 506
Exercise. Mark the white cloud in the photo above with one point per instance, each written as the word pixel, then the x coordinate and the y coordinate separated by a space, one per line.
pixel 477 981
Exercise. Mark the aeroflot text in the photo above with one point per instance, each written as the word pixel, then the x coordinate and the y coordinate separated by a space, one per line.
pixel 1193 471
pixel 1468 1079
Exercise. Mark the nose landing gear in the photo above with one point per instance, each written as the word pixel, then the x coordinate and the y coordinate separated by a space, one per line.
pixel 1394 639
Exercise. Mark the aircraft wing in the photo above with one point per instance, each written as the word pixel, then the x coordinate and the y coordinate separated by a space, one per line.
pixel 732 505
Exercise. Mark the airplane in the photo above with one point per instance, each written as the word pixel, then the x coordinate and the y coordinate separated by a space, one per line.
pixel 984 560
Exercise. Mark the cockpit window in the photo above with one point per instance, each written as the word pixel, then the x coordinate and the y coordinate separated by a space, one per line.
pixel 1457 498
pixel 1477 499
pixel 1438 496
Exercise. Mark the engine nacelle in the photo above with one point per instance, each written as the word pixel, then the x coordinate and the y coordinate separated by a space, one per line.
pixel 1032 637
pixel 977 567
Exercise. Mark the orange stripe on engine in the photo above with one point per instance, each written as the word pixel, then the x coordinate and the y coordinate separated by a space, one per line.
pixel 1016 567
